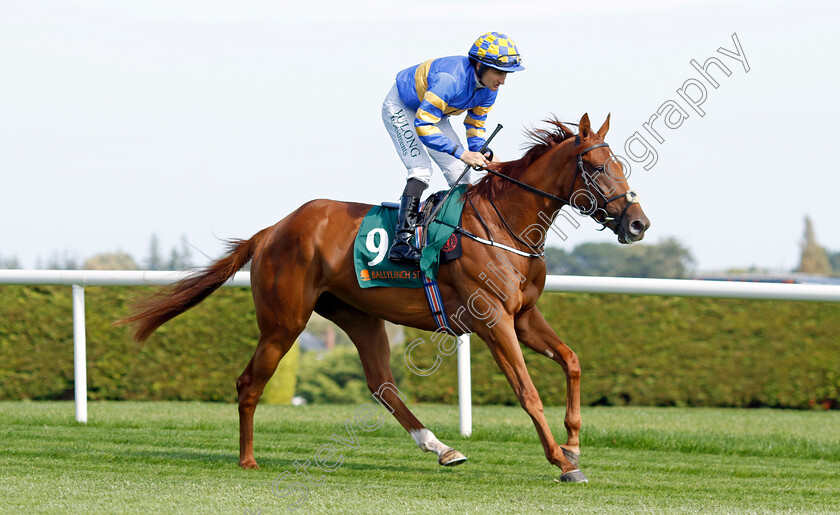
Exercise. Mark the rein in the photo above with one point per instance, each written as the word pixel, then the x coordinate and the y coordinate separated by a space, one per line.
pixel 631 197
pixel 529 187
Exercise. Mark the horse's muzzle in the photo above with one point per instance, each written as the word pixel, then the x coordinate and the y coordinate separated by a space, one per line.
pixel 633 226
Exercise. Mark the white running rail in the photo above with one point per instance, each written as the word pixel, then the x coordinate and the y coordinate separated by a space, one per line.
pixel 78 279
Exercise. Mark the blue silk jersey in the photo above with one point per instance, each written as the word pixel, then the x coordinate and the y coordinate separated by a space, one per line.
pixel 444 87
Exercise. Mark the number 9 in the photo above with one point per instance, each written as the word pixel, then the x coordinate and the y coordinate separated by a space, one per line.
pixel 373 247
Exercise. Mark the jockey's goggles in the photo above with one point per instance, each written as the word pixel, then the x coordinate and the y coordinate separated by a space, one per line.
pixel 511 61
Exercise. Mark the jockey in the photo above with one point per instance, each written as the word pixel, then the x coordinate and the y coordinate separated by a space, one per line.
pixel 418 107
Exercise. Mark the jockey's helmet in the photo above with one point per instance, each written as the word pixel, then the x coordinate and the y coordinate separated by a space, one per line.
pixel 497 51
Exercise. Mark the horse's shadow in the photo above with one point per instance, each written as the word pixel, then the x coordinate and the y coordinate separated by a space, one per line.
pixel 274 464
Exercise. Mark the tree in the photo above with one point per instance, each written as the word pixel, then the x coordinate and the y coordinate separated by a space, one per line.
pixel 834 259
pixel 110 261
pixel 180 259
pixel 65 261
pixel 154 261
pixel 666 259
pixel 602 259
pixel 9 263
pixel 558 261
pixel 814 259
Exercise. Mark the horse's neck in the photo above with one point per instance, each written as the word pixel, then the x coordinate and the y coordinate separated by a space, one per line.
pixel 524 210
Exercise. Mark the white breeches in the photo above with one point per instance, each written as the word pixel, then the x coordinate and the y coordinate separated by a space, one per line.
pixel 417 158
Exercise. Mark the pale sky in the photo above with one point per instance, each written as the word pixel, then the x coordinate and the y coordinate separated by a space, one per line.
pixel 214 119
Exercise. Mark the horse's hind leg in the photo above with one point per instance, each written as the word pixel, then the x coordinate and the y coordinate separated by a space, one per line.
pixel 369 336
pixel 278 330
pixel 250 386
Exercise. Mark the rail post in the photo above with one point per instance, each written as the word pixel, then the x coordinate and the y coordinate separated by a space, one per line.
pixel 79 353
pixel 464 385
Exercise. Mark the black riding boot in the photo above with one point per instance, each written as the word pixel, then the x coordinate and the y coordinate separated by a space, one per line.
pixel 402 251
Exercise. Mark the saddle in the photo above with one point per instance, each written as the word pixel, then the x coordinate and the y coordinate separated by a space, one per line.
pixel 439 243
pixel 452 248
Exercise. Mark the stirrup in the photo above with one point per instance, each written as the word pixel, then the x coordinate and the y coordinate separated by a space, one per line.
pixel 404 252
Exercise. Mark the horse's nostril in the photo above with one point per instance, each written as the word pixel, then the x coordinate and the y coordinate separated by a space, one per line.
pixel 637 227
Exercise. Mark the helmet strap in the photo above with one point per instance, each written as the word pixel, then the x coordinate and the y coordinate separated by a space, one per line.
pixel 480 69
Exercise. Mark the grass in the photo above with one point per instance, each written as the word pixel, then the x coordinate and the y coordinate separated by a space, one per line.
pixel 164 457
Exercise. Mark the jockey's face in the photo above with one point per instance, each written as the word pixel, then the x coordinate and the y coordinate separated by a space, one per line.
pixel 493 78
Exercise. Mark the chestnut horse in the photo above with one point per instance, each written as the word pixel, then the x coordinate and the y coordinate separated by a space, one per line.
pixel 304 263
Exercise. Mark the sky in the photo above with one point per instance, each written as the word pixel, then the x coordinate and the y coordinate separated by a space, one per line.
pixel 209 119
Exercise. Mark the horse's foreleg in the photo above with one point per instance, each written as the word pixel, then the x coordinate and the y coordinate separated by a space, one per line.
pixel 536 333
pixel 503 345
pixel 371 340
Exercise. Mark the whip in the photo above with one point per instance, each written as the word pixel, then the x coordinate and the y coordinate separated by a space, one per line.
pixel 435 211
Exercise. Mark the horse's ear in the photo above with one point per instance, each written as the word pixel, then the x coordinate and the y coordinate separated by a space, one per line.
pixel 604 128
pixel 583 126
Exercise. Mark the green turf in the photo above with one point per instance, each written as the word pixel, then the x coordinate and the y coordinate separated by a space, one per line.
pixel 163 457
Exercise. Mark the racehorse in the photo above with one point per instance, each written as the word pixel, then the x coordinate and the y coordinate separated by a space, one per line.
pixel 304 263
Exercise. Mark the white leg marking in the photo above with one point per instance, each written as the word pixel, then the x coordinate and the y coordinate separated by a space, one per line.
pixel 427 442
pixel 549 353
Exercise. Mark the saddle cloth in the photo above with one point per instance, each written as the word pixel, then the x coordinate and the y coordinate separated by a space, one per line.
pixel 376 234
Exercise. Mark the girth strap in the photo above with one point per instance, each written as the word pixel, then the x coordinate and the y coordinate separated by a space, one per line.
pixel 431 287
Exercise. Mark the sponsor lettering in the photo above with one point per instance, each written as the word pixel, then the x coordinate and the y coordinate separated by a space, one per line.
pixel 395 274
pixel 405 135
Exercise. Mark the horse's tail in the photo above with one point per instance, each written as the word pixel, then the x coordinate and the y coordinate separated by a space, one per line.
pixel 151 313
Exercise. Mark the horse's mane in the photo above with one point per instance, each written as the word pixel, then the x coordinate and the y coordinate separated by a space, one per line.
pixel 540 142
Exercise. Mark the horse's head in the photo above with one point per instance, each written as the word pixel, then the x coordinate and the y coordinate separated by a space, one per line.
pixel 600 188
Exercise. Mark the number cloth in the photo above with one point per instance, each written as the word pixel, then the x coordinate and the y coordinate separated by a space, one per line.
pixel 370 250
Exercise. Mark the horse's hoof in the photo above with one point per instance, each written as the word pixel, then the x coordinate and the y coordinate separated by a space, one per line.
pixel 451 458
pixel 573 457
pixel 573 476
pixel 249 465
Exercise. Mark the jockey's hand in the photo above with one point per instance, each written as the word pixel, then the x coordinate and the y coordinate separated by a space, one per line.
pixel 474 159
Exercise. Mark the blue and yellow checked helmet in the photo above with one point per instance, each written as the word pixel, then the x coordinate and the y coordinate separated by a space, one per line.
pixel 497 51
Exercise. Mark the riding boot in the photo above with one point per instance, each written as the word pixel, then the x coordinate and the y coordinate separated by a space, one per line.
pixel 402 251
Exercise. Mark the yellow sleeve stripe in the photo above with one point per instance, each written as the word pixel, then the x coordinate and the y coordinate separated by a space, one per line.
pixel 472 133
pixel 427 130
pixel 451 111
pixel 435 100
pixel 469 120
pixel 421 79
pixel 427 116
pixel 481 111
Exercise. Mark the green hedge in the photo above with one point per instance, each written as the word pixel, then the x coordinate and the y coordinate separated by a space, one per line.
pixel 337 376
pixel 666 351
pixel 634 350
pixel 197 356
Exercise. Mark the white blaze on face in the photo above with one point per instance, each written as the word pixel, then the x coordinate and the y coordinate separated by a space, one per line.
pixel 427 442
pixel 549 353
